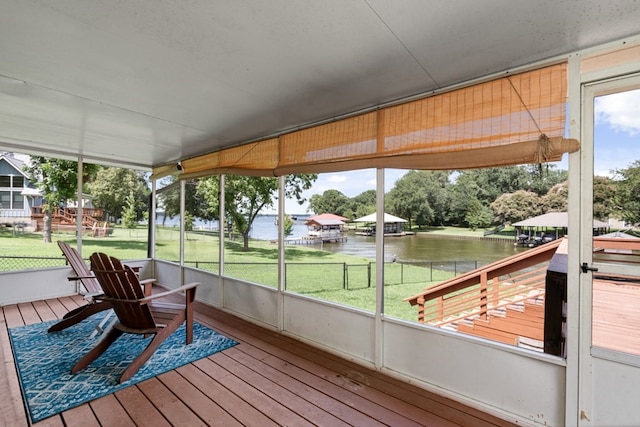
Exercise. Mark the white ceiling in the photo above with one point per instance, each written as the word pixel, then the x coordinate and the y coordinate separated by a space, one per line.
pixel 145 82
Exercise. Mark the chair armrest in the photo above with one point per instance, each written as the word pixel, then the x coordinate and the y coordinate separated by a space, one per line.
pixel 170 292
pixel 147 286
pixel 150 298
pixel 93 295
pixel 135 268
pixel 70 278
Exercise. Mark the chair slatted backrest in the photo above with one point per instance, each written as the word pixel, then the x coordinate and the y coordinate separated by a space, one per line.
pixel 121 283
pixel 80 268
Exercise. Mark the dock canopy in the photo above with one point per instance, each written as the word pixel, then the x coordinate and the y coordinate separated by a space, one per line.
pixel 324 222
pixel 554 220
pixel 327 216
pixel 387 218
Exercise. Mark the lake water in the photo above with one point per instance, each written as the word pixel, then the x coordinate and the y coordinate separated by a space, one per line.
pixel 415 248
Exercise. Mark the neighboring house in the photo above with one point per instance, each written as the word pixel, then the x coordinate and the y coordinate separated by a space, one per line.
pixel 17 194
pixel 21 201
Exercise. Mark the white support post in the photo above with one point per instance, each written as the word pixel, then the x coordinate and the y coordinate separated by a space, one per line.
pixel 183 185
pixel 572 339
pixel 281 253
pixel 152 221
pixel 379 341
pixel 79 228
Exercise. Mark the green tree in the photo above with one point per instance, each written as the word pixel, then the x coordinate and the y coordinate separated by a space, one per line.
pixel 246 196
pixel 627 194
pixel 541 178
pixel 516 206
pixel 57 179
pixel 129 212
pixel 112 186
pixel 604 198
pixel 478 216
pixel 288 226
pixel 331 201
pixel 408 200
pixel 486 185
pixel 556 198
pixel 362 205
pixel 194 203
pixel 421 197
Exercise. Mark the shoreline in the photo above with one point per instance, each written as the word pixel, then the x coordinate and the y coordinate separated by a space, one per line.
pixel 462 237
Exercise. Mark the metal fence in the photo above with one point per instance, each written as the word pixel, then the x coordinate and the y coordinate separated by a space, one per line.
pixel 13 263
pixel 299 276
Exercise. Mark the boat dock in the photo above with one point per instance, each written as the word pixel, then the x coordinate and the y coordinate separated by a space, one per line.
pixel 311 240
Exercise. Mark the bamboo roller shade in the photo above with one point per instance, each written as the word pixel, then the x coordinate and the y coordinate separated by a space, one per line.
pixel 517 119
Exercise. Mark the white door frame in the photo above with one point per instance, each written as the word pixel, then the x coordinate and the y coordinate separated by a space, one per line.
pixel 586 352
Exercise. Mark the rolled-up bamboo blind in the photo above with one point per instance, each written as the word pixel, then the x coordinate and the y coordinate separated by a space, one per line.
pixel 256 159
pixel 517 119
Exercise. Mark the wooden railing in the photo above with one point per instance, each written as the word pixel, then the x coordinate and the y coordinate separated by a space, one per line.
pixel 498 296
pixel 501 283
pixel 91 217
pixel 95 213
pixel 521 300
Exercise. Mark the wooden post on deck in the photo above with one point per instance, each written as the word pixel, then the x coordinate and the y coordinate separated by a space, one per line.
pixel 484 299
pixel 555 299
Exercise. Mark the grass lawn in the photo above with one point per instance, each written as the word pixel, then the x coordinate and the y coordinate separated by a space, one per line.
pixel 508 232
pixel 340 278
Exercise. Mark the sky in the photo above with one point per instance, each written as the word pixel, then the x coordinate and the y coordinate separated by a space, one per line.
pixel 617 131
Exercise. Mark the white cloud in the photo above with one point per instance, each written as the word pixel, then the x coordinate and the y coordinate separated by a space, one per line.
pixel 617 131
pixel 350 183
pixel 621 111
pixel 336 178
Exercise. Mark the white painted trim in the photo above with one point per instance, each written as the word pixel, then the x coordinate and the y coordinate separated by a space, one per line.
pixel 281 251
pixel 572 344
pixel 594 381
pixel 616 356
pixel 378 327
pixel 585 285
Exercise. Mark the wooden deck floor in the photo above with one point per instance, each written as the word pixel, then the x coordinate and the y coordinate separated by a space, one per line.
pixel 268 379
pixel 616 316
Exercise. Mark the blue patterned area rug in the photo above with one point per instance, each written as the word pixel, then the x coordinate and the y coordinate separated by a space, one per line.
pixel 44 362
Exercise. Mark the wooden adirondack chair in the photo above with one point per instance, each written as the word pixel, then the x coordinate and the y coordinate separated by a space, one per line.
pixel 92 291
pixel 136 313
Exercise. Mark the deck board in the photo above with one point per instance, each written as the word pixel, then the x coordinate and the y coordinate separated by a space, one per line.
pixel 108 410
pixel 57 307
pixel 80 416
pixel 12 411
pixel 139 408
pixel 29 314
pixel 236 408
pixel 268 379
pixel 200 401
pixel 282 405
pixel 169 404
pixel 616 316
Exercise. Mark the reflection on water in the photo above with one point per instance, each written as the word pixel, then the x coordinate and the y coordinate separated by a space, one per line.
pixel 427 248
pixel 406 248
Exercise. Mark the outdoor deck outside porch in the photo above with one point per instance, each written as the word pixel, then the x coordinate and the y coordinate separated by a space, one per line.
pixel 273 379
pixel 268 379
